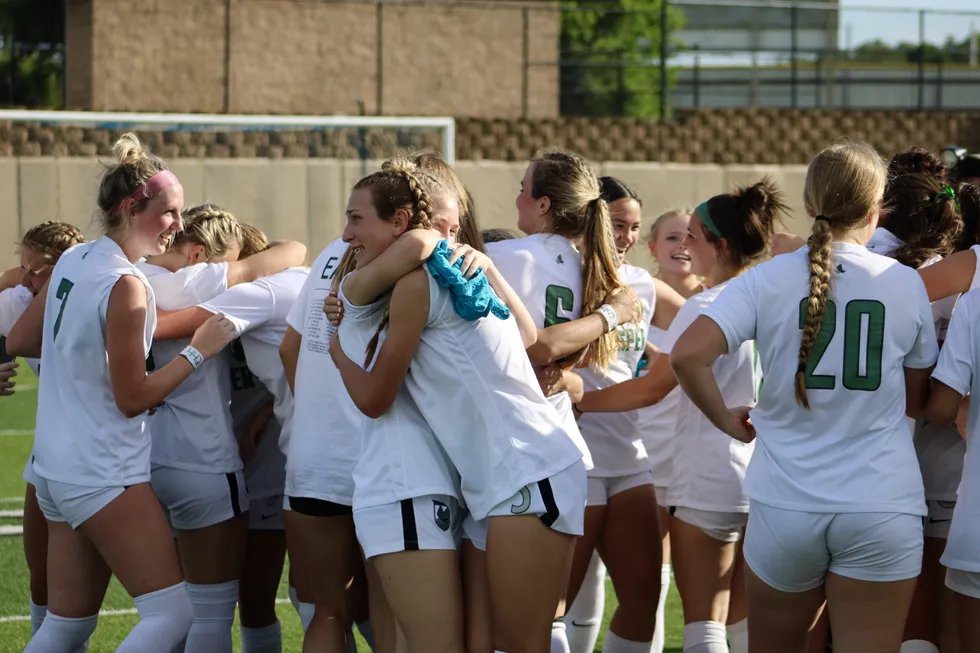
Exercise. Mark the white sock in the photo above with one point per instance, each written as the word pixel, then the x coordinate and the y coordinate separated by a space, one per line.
pixel 705 637
pixel 658 632
pixel 559 641
pixel 364 627
pixel 738 636
pixel 918 646
pixel 304 610
pixel 37 616
pixel 214 612
pixel 584 618
pixel 58 634
pixel 616 644
pixel 165 618
pixel 267 639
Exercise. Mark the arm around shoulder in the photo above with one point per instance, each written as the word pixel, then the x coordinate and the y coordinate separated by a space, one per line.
pixel 280 255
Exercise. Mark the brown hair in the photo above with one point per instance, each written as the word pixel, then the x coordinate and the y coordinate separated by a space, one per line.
pixel 469 228
pixel 132 166
pixel 52 238
pixel 578 211
pixel 396 186
pixel 922 213
pixel 918 160
pixel 746 218
pixel 253 240
pixel 212 226
pixel 844 185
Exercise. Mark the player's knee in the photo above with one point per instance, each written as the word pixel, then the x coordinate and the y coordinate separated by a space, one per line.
pixel 165 619
pixel 62 634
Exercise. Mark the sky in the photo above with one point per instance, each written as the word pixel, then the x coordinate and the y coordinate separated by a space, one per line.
pixel 862 26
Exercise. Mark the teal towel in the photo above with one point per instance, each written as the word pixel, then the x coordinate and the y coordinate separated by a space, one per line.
pixel 473 298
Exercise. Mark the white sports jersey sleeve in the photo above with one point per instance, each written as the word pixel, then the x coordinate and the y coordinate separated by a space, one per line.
pixel 261 302
pixel 188 286
pixel 956 359
pixel 13 302
pixel 852 450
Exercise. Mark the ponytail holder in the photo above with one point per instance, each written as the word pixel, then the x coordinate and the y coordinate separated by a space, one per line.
pixel 823 217
pixel 155 185
pixel 705 216
pixel 947 193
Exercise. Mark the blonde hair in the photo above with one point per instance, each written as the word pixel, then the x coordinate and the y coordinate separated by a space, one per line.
pixel 211 226
pixel 253 240
pixel 577 210
pixel 51 239
pixel 469 228
pixel 398 185
pixel 844 184
pixel 663 217
pixel 132 165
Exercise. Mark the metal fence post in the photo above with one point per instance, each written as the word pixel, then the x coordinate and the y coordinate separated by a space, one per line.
pixel 793 45
pixel 922 59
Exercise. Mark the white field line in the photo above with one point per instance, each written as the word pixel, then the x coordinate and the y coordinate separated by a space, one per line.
pixel 11 500
pixel 11 530
pixel 21 432
pixel 12 514
pixel 102 613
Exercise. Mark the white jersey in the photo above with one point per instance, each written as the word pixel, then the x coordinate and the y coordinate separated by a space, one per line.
pixel 615 439
pixel 188 286
pixel 325 441
pixel 400 457
pixel 958 369
pixel 657 424
pixel 192 430
pixel 709 465
pixel 265 470
pixel 13 302
pixel 852 452
pixel 940 449
pixel 474 384
pixel 258 310
pixel 81 436
pixel 545 270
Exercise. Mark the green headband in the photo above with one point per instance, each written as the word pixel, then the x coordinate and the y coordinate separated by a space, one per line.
pixel 705 216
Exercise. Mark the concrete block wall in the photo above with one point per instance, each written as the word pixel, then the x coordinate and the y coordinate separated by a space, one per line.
pixel 304 199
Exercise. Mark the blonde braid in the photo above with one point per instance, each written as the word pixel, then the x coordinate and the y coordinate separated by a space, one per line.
pixel 52 238
pixel 816 304
pixel 212 226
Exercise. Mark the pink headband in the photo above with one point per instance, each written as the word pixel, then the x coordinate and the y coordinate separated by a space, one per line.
pixel 156 184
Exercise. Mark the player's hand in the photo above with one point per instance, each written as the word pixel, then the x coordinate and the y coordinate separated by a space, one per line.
pixel 550 379
pixel 333 308
pixel 473 260
pixel 783 242
pixel 212 336
pixel 628 308
pixel 740 426
pixel 7 372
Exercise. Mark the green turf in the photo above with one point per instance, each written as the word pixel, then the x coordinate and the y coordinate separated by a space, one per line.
pixel 17 413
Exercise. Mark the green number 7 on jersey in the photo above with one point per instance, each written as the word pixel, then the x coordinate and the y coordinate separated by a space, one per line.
pixel 64 288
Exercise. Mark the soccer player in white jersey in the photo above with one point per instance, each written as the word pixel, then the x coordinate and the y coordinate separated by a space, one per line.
pixel 261 405
pixel 91 449
pixel 523 524
pixel 956 376
pixel 565 273
pixel 197 470
pixel 621 517
pixel 846 342
pixel 921 225
pixel 40 248
pixel 726 235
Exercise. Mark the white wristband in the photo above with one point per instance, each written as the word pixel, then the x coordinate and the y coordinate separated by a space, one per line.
pixel 192 356
pixel 609 316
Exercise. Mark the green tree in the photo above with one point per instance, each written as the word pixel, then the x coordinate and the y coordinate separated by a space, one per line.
pixel 32 51
pixel 610 54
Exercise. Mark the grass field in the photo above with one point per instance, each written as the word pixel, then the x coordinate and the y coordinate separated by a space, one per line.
pixel 16 431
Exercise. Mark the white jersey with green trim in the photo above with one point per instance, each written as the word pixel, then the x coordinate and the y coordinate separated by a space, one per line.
pixel 709 466
pixel 545 270
pixel 615 439
pixel 852 451
pixel 192 430
pixel 81 436
pixel 13 302
pixel 657 423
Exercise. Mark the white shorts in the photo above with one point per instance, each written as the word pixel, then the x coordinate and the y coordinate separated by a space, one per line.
pixel 661 495
pixel 29 474
pixel 792 550
pixel 937 522
pixel 963 582
pixel 426 523
pixel 199 499
pixel 266 513
pixel 559 501
pixel 722 526
pixel 65 502
pixel 600 488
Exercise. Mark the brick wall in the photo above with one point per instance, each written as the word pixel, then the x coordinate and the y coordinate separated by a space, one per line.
pixel 303 57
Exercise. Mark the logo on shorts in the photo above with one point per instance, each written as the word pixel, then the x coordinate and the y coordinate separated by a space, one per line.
pixel 524 505
pixel 441 514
